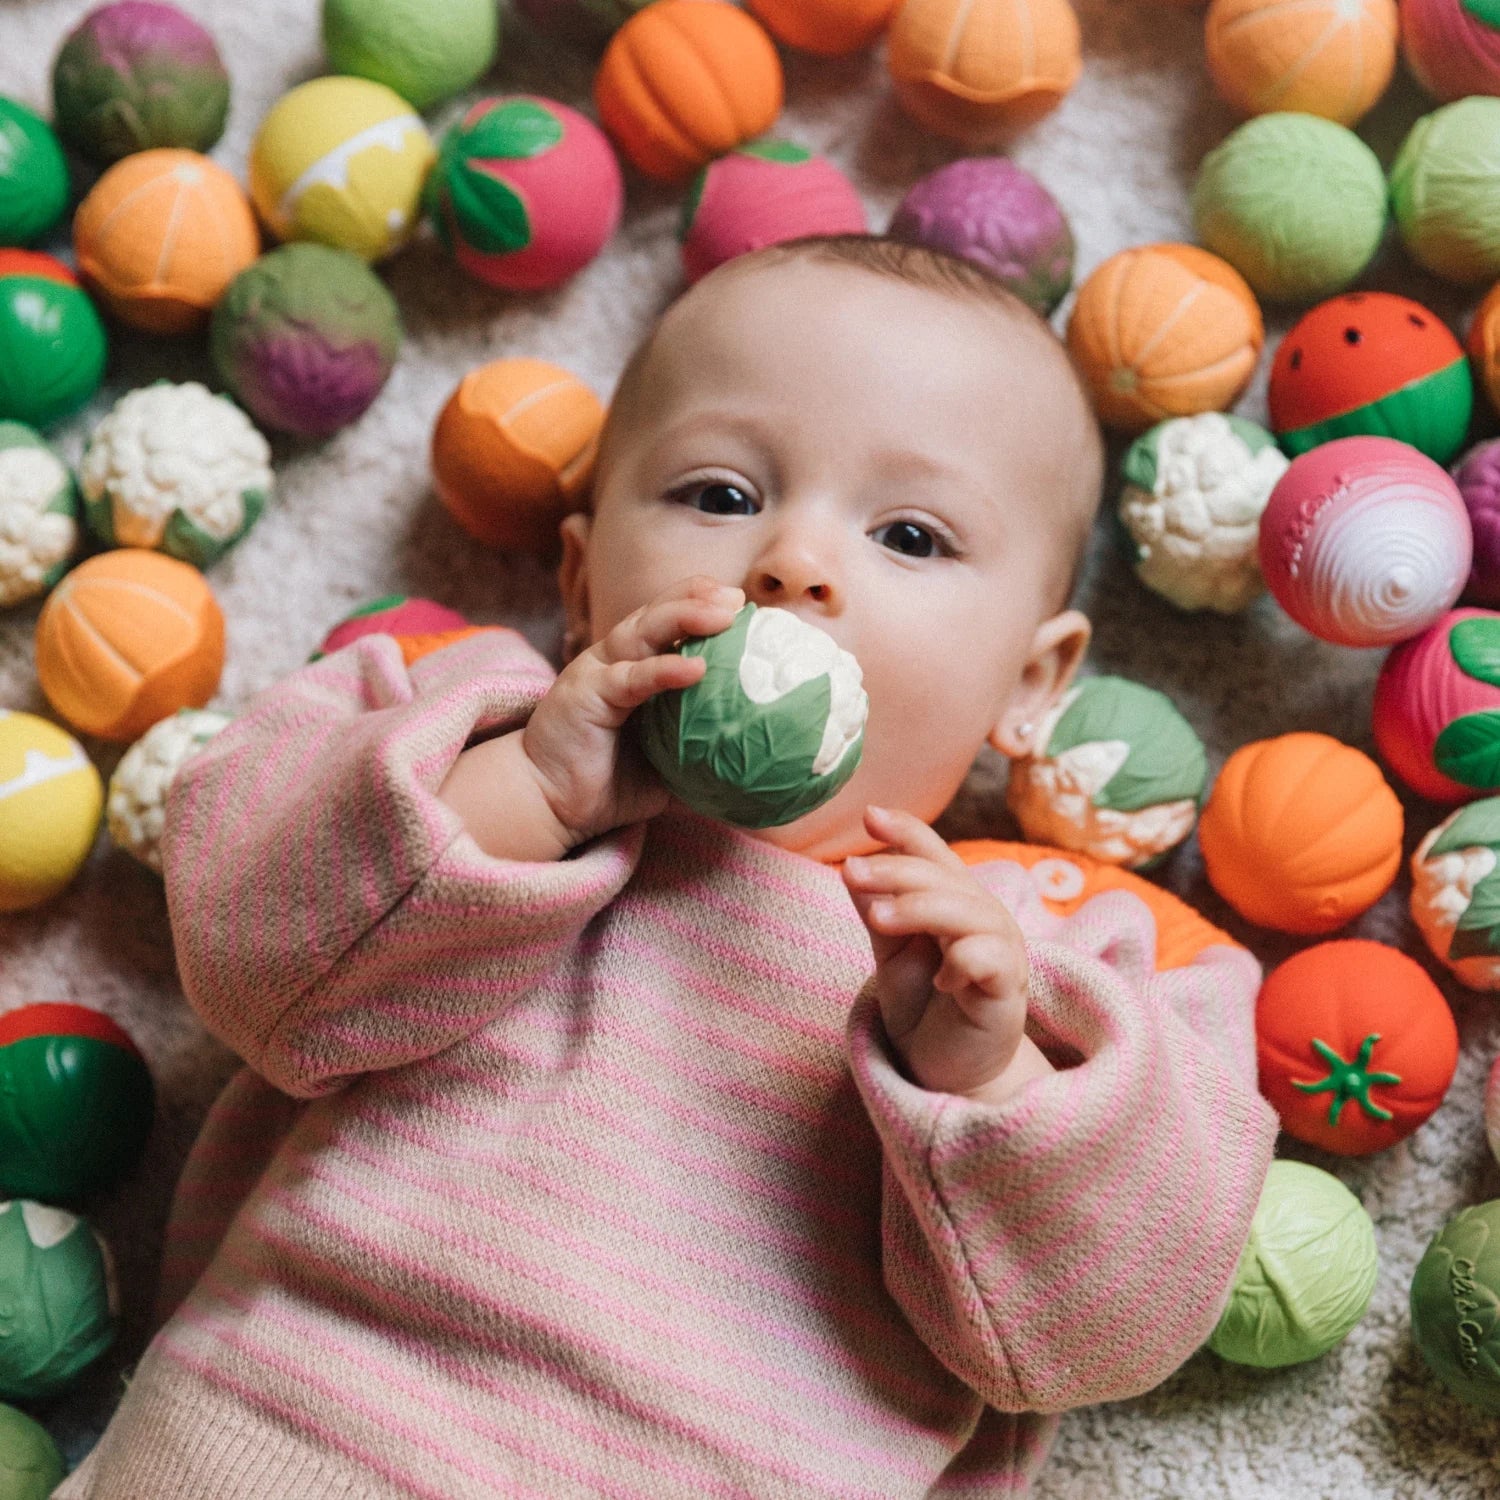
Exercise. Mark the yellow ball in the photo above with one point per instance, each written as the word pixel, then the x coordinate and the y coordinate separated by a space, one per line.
pixel 341 161
pixel 50 800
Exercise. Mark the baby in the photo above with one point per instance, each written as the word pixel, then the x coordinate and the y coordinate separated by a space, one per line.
pixel 588 1146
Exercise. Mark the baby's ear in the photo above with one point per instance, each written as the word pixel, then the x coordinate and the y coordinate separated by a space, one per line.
pixel 1057 651
pixel 573 581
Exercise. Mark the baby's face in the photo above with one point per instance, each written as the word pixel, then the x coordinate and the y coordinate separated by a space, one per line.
pixel 880 459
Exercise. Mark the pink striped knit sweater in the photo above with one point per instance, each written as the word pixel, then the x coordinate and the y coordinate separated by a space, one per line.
pixel 597 1178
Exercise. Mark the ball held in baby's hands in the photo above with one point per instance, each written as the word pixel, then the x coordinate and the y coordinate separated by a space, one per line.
pixel 772 730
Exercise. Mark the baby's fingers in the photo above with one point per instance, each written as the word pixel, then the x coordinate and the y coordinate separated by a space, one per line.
pixel 982 966
pixel 944 912
pixel 628 684
pixel 697 607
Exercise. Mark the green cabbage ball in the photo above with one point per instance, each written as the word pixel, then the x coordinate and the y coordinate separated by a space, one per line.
pixel 1455 1305
pixel 30 1465
pixel 1306 1274
pixel 773 728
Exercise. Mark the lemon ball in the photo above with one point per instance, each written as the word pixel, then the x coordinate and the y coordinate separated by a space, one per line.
pixel 50 800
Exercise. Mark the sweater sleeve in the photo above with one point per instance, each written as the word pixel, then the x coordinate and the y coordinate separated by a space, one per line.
pixel 1077 1242
pixel 331 915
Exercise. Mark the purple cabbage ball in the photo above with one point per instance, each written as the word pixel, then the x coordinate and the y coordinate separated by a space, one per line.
pixel 305 338
pixel 135 75
pixel 990 211
pixel 1477 475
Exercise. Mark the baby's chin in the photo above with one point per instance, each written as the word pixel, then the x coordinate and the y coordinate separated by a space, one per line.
pixel 830 833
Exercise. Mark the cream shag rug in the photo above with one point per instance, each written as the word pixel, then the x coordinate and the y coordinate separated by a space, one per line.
pixel 354 518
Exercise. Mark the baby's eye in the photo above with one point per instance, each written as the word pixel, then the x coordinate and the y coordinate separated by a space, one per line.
pixel 717 497
pixel 908 538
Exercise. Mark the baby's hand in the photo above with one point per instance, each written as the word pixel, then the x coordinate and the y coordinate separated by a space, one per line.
pixel 590 779
pixel 950 964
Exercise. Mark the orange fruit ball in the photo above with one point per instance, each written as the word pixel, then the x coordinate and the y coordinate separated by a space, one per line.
pixel 975 71
pixel 513 452
pixel 161 235
pixel 1164 331
pixel 1317 57
pixel 1301 833
pixel 828 27
pixel 684 81
pixel 1484 345
pixel 127 638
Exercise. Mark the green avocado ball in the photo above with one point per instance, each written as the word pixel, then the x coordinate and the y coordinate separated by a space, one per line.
pixel 427 50
pixel 773 728
pixel 1455 1305
pixel 30 1465
pixel 1295 203
pixel 1445 190
pixel 33 175
pixel 1306 1274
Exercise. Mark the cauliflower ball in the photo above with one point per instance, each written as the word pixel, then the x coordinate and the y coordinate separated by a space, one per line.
pixel 1455 895
pixel 38 515
pixel 176 468
pixel 1195 488
pixel 138 789
pixel 1120 776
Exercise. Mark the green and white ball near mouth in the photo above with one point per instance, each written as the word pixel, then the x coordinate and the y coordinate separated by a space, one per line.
pixel 773 728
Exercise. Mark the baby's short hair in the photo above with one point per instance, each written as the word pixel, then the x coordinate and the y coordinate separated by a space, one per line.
pixel 951 275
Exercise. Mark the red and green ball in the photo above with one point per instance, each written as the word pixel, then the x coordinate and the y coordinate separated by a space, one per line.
pixel 52 344
pixel 1371 364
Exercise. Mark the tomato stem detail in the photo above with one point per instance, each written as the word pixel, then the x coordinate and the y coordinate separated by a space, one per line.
pixel 1349 1080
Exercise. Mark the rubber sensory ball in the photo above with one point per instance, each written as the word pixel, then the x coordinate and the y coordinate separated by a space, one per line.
pixel 1296 204
pixel 1455 1305
pixel 1332 58
pixel 1164 331
pixel 684 81
pixel 773 728
pixel 161 235
pixel 135 803
pixel 426 50
pixel 513 451
pixel 76 1102
pixel 1301 833
pixel 1477 476
pixel 989 210
pixel 30 1465
pixel 127 638
pixel 1371 363
pixel 1455 895
pixel 395 616
pixel 1306 1274
pixel 1483 344
pixel 33 175
pixel 60 1286
pixel 1445 191
pixel 526 192
pixel 52 344
pixel 341 161
pixel 135 75
pixel 1356 1045
pixel 38 515
pixel 830 28
pixel 306 339
pixel 1452 46
pixel 50 800
pixel 1436 710
pixel 1365 541
pixel 977 71
pixel 761 194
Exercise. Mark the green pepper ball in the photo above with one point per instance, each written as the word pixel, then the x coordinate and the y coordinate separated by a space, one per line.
pixel 33 175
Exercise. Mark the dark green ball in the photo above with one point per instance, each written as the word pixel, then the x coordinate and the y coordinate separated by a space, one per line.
pixel 33 176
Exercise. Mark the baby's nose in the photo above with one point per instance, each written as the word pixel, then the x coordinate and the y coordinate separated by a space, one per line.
pixel 786 586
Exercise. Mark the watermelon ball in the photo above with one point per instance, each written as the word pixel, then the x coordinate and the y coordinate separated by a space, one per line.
pixel 583 23
pixel 526 192
pixel 989 210
pixel 58 1302
pixel 773 728
pixel 52 343
pixel 1371 363
pixel 1445 191
pixel 761 194
pixel 33 175
pixel 1455 1305
pixel 30 1465
pixel 1295 203
pixel 76 1102
pixel 1306 1274
pixel 396 616
pixel 1477 476
pixel 306 338
pixel 1356 1045
pixel 427 50
pixel 1365 541
pixel 138 74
